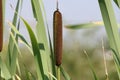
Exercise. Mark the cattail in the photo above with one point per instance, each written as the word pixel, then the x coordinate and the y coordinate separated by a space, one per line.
pixel 57 34
pixel 1 26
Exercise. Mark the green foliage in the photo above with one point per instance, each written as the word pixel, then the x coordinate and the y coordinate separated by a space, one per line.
pixel 64 73
pixel 111 29
pixel 85 25
pixel 117 2
pixel 41 44
pixel 91 67
pixel 37 55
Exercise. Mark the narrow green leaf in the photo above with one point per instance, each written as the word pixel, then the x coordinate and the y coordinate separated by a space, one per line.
pixel 13 50
pixel 4 70
pixel 52 54
pixel 18 67
pixel 17 77
pixel 117 60
pixel 33 8
pixel 18 33
pixel 85 25
pixel 117 2
pixel 15 15
pixel 36 52
pixel 53 76
pixel 14 55
pixel 42 36
pixel 64 73
pixel 111 27
pixel 91 66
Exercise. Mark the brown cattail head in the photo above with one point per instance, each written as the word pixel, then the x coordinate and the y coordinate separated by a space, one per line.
pixel 57 34
pixel 1 26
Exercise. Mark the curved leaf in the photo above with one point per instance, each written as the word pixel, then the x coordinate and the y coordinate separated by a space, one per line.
pixel 36 52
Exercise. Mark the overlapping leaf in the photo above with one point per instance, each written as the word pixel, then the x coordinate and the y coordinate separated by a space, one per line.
pixel 37 54
pixel 42 36
pixel 111 29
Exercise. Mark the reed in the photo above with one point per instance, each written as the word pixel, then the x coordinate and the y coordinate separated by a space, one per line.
pixel 40 44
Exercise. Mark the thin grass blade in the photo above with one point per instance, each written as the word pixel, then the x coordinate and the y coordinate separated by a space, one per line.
pixel 5 73
pixel 18 33
pixel 33 8
pixel 64 73
pixel 85 25
pixel 52 76
pixel 13 50
pixel 14 55
pixel 52 54
pixel 91 67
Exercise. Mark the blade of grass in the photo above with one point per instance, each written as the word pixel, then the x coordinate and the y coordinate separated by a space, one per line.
pixel 12 53
pixel 33 8
pixel 37 54
pixel 15 15
pixel 111 29
pixel 52 54
pixel 52 76
pixel 85 25
pixel 4 70
pixel 18 33
pixel 17 77
pixel 42 36
pixel 23 40
pixel 117 2
pixel 91 66
pixel 16 23
pixel 64 73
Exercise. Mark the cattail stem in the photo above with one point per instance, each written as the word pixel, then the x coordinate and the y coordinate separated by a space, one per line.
pixel 58 72
pixel 57 4
pixel 1 26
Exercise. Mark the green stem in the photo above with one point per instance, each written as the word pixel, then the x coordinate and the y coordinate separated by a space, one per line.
pixel 58 72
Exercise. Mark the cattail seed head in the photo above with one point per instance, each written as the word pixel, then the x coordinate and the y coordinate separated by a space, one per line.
pixel 1 26
pixel 57 34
